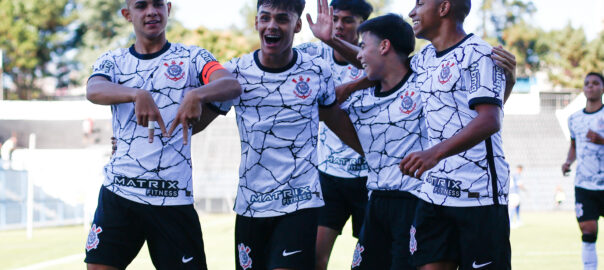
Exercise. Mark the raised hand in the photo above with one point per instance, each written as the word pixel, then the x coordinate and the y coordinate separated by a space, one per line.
pixel 323 28
pixel 507 61
pixel 146 111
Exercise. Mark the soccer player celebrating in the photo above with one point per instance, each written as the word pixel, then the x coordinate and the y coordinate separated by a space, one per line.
pixel 390 124
pixel 462 220
pixel 148 191
pixel 342 171
pixel 587 147
pixel 285 91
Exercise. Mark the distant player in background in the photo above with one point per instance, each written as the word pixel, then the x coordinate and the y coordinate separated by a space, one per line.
pixel 587 147
pixel 515 197
pixel 147 194
pixel 342 171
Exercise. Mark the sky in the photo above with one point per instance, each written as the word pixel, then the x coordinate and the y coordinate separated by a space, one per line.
pixel 551 14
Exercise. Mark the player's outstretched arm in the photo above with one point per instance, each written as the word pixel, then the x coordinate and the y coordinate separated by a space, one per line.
pixel 507 61
pixel 487 123
pixel 343 91
pixel 101 91
pixel 338 121
pixel 323 30
pixel 222 86
pixel 570 158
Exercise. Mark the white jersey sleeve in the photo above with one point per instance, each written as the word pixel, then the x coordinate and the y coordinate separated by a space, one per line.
pixel 104 67
pixel 485 81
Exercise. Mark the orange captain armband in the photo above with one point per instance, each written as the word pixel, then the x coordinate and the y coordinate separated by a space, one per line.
pixel 208 69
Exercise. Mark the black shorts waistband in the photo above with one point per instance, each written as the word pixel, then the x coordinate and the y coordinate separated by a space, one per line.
pixel 392 194
pixel 360 178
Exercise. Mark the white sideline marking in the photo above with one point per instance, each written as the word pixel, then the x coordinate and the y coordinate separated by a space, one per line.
pixel 58 261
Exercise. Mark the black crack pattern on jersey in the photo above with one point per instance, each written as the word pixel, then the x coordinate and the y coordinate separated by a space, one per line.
pixel 590 156
pixel 449 85
pixel 144 165
pixel 277 117
pixel 388 135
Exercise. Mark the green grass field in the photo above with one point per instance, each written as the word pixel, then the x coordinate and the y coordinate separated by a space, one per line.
pixel 549 240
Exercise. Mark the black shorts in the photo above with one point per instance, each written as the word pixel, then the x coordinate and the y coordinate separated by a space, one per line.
pixel 474 237
pixel 384 239
pixel 121 226
pixel 344 197
pixel 286 241
pixel 589 204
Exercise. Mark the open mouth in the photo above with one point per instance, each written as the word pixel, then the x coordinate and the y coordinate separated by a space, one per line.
pixel 272 39
pixel 152 22
pixel 339 35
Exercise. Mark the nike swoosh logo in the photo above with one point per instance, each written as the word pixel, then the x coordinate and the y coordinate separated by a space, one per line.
pixel 285 253
pixel 123 82
pixel 476 266
pixel 186 260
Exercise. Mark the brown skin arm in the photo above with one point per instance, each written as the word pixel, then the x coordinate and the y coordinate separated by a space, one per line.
pixel 507 61
pixel 487 123
pixel 570 157
pixel 101 91
pixel 338 121
pixel 594 137
pixel 222 86
pixel 343 91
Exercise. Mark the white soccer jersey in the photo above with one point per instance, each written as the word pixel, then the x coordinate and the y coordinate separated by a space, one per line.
pixel 157 173
pixel 590 156
pixel 452 82
pixel 278 118
pixel 390 125
pixel 335 157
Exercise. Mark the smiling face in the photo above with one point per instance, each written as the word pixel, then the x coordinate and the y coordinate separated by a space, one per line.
pixel 370 56
pixel 426 18
pixel 276 28
pixel 345 25
pixel 149 17
pixel 593 88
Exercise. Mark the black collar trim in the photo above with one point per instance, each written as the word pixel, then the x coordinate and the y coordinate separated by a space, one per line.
pixel 585 112
pixel 398 86
pixel 442 53
pixel 150 55
pixel 275 70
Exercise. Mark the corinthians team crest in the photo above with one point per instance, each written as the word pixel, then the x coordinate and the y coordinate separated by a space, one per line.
pixel 93 237
pixel 302 90
pixel 357 258
pixel 412 242
pixel 407 103
pixel 355 73
pixel 244 256
pixel 445 73
pixel 175 71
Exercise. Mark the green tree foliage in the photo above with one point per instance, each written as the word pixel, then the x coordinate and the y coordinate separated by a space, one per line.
pixel 566 49
pixel 33 32
pixel 501 14
pixel 523 41
pixel 223 44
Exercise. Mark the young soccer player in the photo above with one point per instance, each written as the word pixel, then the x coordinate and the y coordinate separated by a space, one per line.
pixel 147 194
pixel 462 220
pixel 587 147
pixel 390 124
pixel 284 93
pixel 342 171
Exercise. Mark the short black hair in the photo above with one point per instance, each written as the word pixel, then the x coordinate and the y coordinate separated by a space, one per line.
pixel 597 75
pixel 289 5
pixel 393 28
pixel 356 7
pixel 460 9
